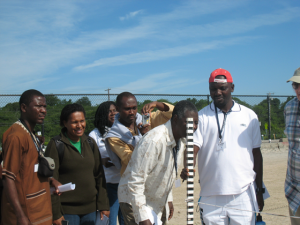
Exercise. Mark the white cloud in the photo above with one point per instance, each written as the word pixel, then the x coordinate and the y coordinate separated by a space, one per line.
pixel 161 54
pixel 40 38
pixel 192 9
pixel 231 27
pixel 145 82
pixel 216 29
pixel 156 83
pixel 131 15
pixel 37 43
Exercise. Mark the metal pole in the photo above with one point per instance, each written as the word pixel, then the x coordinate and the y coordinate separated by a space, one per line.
pixel 190 167
pixel 207 99
pixel 269 116
pixel 108 93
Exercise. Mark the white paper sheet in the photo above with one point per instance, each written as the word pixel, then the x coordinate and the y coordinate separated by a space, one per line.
pixel 177 183
pixel 64 188
pixel 153 217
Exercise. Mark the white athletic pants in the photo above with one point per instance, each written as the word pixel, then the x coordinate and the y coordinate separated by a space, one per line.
pixel 229 213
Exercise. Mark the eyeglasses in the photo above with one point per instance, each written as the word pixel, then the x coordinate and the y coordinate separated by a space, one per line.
pixel 295 85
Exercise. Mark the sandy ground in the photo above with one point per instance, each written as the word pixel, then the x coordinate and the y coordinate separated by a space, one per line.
pixel 275 162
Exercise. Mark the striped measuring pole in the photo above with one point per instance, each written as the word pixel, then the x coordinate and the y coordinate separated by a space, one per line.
pixel 190 167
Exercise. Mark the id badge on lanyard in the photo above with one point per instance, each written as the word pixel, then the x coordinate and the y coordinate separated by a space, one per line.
pixel 221 145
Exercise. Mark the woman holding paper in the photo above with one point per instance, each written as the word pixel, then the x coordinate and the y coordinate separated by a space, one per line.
pixel 104 119
pixel 78 162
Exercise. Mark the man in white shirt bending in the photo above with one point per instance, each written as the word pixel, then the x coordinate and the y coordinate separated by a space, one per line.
pixel 229 158
pixel 148 179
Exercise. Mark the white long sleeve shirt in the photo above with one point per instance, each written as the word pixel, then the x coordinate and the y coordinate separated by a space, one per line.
pixel 112 174
pixel 150 174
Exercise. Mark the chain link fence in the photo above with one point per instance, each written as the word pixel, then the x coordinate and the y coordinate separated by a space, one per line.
pixel 268 108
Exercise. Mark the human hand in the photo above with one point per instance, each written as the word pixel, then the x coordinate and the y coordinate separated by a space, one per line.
pixel 148 107
pixel 55 183
pixel 143 128
pixel 58 221
pixel 106 163
pixel 102 213
pixel 185 173
pixel 145 222
pixel 171 207
pixel 260 201
pixel 23 220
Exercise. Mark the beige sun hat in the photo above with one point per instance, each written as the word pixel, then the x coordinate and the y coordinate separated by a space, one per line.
pixel 296 76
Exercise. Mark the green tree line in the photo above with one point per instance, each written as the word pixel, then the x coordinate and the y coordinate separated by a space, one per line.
pixel 11 112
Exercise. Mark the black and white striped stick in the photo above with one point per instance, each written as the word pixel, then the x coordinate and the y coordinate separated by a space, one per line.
pixel 190 167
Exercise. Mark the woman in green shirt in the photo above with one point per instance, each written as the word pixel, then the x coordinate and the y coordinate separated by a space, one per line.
pixel 80 163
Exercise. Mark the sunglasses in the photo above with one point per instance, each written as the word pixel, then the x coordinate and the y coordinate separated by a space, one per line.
pixel 295 85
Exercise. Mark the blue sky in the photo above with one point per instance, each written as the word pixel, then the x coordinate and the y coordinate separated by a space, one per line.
pixel 167 47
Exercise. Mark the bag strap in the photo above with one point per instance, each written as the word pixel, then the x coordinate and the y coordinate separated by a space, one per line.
pixel 34 139
pixel 61 147
pixel 91 143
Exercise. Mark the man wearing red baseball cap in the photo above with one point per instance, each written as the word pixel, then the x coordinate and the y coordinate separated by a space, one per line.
pixel 229 158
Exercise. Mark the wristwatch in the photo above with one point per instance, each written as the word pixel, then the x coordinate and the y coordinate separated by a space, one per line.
pixel 260 190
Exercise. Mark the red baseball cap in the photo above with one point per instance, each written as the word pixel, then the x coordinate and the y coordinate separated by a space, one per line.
pixel 219 72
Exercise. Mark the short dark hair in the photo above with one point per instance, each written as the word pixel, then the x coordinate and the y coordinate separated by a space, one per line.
pixel 101 116
pixel 181 107
pixel 121 96
pixel 27 96
pixel 68 110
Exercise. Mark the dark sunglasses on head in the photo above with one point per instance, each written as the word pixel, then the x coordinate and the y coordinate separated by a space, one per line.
pixel 295 85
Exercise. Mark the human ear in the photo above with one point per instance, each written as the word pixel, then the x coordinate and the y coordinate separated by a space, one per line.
pixel 232 87
pixel 23 107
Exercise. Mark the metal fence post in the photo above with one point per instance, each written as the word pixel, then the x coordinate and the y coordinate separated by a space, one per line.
pixel 108 89
pixel 269 115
